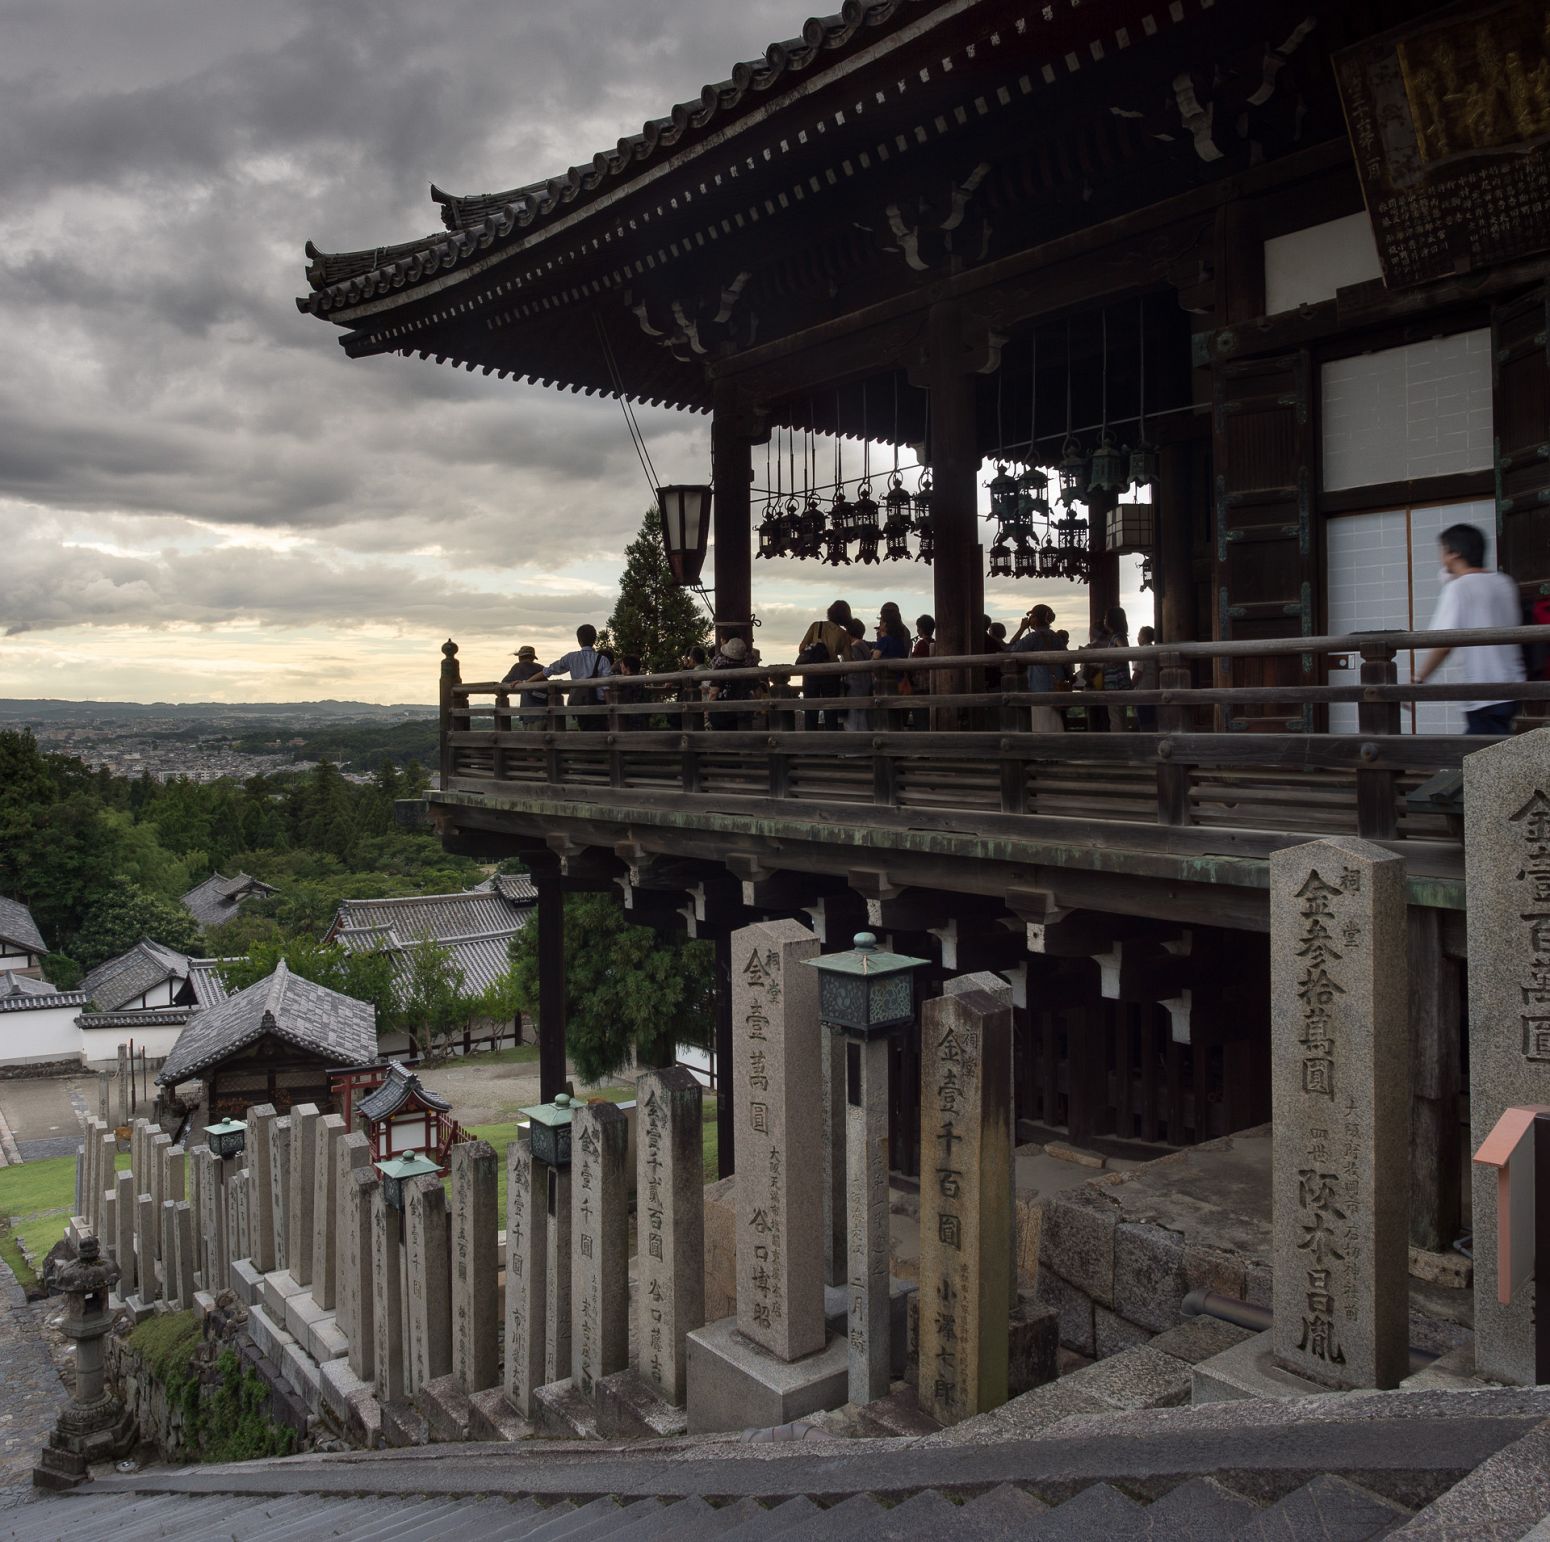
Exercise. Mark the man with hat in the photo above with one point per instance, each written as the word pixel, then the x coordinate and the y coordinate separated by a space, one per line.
pixel 530 704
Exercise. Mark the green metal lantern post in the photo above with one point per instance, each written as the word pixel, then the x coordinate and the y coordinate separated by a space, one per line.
pixel 867 995
pixel 397 1171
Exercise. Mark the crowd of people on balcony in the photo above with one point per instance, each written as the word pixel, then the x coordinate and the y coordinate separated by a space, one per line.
pixel 836 701
pixel 599 677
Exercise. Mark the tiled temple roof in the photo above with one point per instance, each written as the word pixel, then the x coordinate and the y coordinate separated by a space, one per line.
pixel 17 925
pixel 48 1002
pixel 314 1019
pixel 477 221
pixel 396 1090
pixel 216 899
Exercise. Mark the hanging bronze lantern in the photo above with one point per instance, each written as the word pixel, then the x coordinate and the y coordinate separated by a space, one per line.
pixel 1033 494
pixel 863 518
pixel 1143 465
pixel 896 527
pixel 1073 474
pixel 770 533
pixel 1003 496
pixel 1110 468
pixel 1025 561
pixel 813 529
pixel 836 550
pixel 866 546
pixel 1000 559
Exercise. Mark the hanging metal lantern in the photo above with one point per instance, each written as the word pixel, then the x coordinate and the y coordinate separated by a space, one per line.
pixel 1025 561
pixel 863 518
pixel 839 515
pixel 814 529
pixel 1073 474
pixel 1003 496
pixel 923 493
pixel 771 542
pixel 791 529
pixel 1000 559
pixel 896 527
pixel 836 548
pixel 1033 494
pixel 1143 465
pixel 1146 573
pixel 866 547
pixel 685 513
pixel 1110 470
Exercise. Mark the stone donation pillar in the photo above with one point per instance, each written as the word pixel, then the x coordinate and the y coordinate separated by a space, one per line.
pixel 527 1247
pixel 1507 879
pixel 475 1314
pixel 772 1363
pixel 670 1220
pixel 1340 1055
pixel 600 1232
pixel 965 1199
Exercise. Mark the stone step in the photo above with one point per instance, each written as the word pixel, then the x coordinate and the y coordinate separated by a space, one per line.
pixel 1198 1511
pixel 689 1520
pixel 924 1515
pixel 484 1518
pixel 843 1521
pixel 1004 1512
pixel 1098 1514
pixel 599 1518
pixel 431 1517
pixel 170 1521
pixel 776 1520
pixel 273 1519
pixel 1326 1509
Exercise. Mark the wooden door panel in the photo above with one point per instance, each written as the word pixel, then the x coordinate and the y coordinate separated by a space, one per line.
pixel 1266 543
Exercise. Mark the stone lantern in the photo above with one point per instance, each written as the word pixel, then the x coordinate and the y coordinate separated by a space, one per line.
pixel 227 1138
pixel 549 1130
pixel 93 1426
pixel 397 1171
pixel 867 995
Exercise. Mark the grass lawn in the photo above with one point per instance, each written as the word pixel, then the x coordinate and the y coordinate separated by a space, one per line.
pixel 522 1054
pixel 35 1202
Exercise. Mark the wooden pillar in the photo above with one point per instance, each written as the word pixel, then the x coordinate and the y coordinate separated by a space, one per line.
pixel 1103 591
pixel 551 982
pixel 1436 1159
pixel 1176 514
pixel 958 571
pixel 450 676
pixel 726 1161
pixel 733 429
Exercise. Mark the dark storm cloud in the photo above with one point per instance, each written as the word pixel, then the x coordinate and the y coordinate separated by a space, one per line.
pixel 166 160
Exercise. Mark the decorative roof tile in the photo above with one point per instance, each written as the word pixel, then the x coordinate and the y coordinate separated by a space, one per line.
pixel 145 1017
pixel 312 1018
pixel 13 984
pixel 17 925
pixel 44 1003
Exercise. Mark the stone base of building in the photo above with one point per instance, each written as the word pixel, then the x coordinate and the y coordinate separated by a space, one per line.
pixel 734 1384
pixel 630 1408
pixel 1248 1370
pixel 279 1286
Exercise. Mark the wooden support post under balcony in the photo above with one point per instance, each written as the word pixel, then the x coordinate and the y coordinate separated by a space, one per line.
pixel 732 432
pixel 1377 810
pixel 1172 775
pixel 551 980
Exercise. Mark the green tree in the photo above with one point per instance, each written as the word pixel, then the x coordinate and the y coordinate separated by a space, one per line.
pixel 365 976
pixel 122 915
pixel 625 988
pixel 653 618
pixel 431 1001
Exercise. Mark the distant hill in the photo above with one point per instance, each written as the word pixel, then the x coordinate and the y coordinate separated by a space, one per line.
pixel 51 710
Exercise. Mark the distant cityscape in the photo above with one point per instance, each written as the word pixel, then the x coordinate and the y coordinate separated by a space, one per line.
pixel 209 741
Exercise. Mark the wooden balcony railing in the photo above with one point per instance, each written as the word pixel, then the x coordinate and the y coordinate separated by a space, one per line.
pixel 957 737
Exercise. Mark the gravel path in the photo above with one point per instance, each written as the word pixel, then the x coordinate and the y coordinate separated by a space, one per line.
pixel 31 1389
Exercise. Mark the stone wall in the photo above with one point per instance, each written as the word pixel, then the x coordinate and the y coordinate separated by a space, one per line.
pixel 193 1393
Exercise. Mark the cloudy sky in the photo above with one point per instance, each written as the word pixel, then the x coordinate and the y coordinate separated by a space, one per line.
pixel 201 498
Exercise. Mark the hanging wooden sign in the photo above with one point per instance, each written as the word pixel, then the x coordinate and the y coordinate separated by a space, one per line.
pixel 1449 121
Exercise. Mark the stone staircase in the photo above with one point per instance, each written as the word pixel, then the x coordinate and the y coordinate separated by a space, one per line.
pixel 1434 1465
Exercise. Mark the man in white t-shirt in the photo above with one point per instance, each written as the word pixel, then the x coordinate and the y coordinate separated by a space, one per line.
pixel 1474 596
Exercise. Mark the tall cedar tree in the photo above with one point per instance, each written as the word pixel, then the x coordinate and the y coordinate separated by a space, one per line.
pixel 653 618
pixel 626 989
